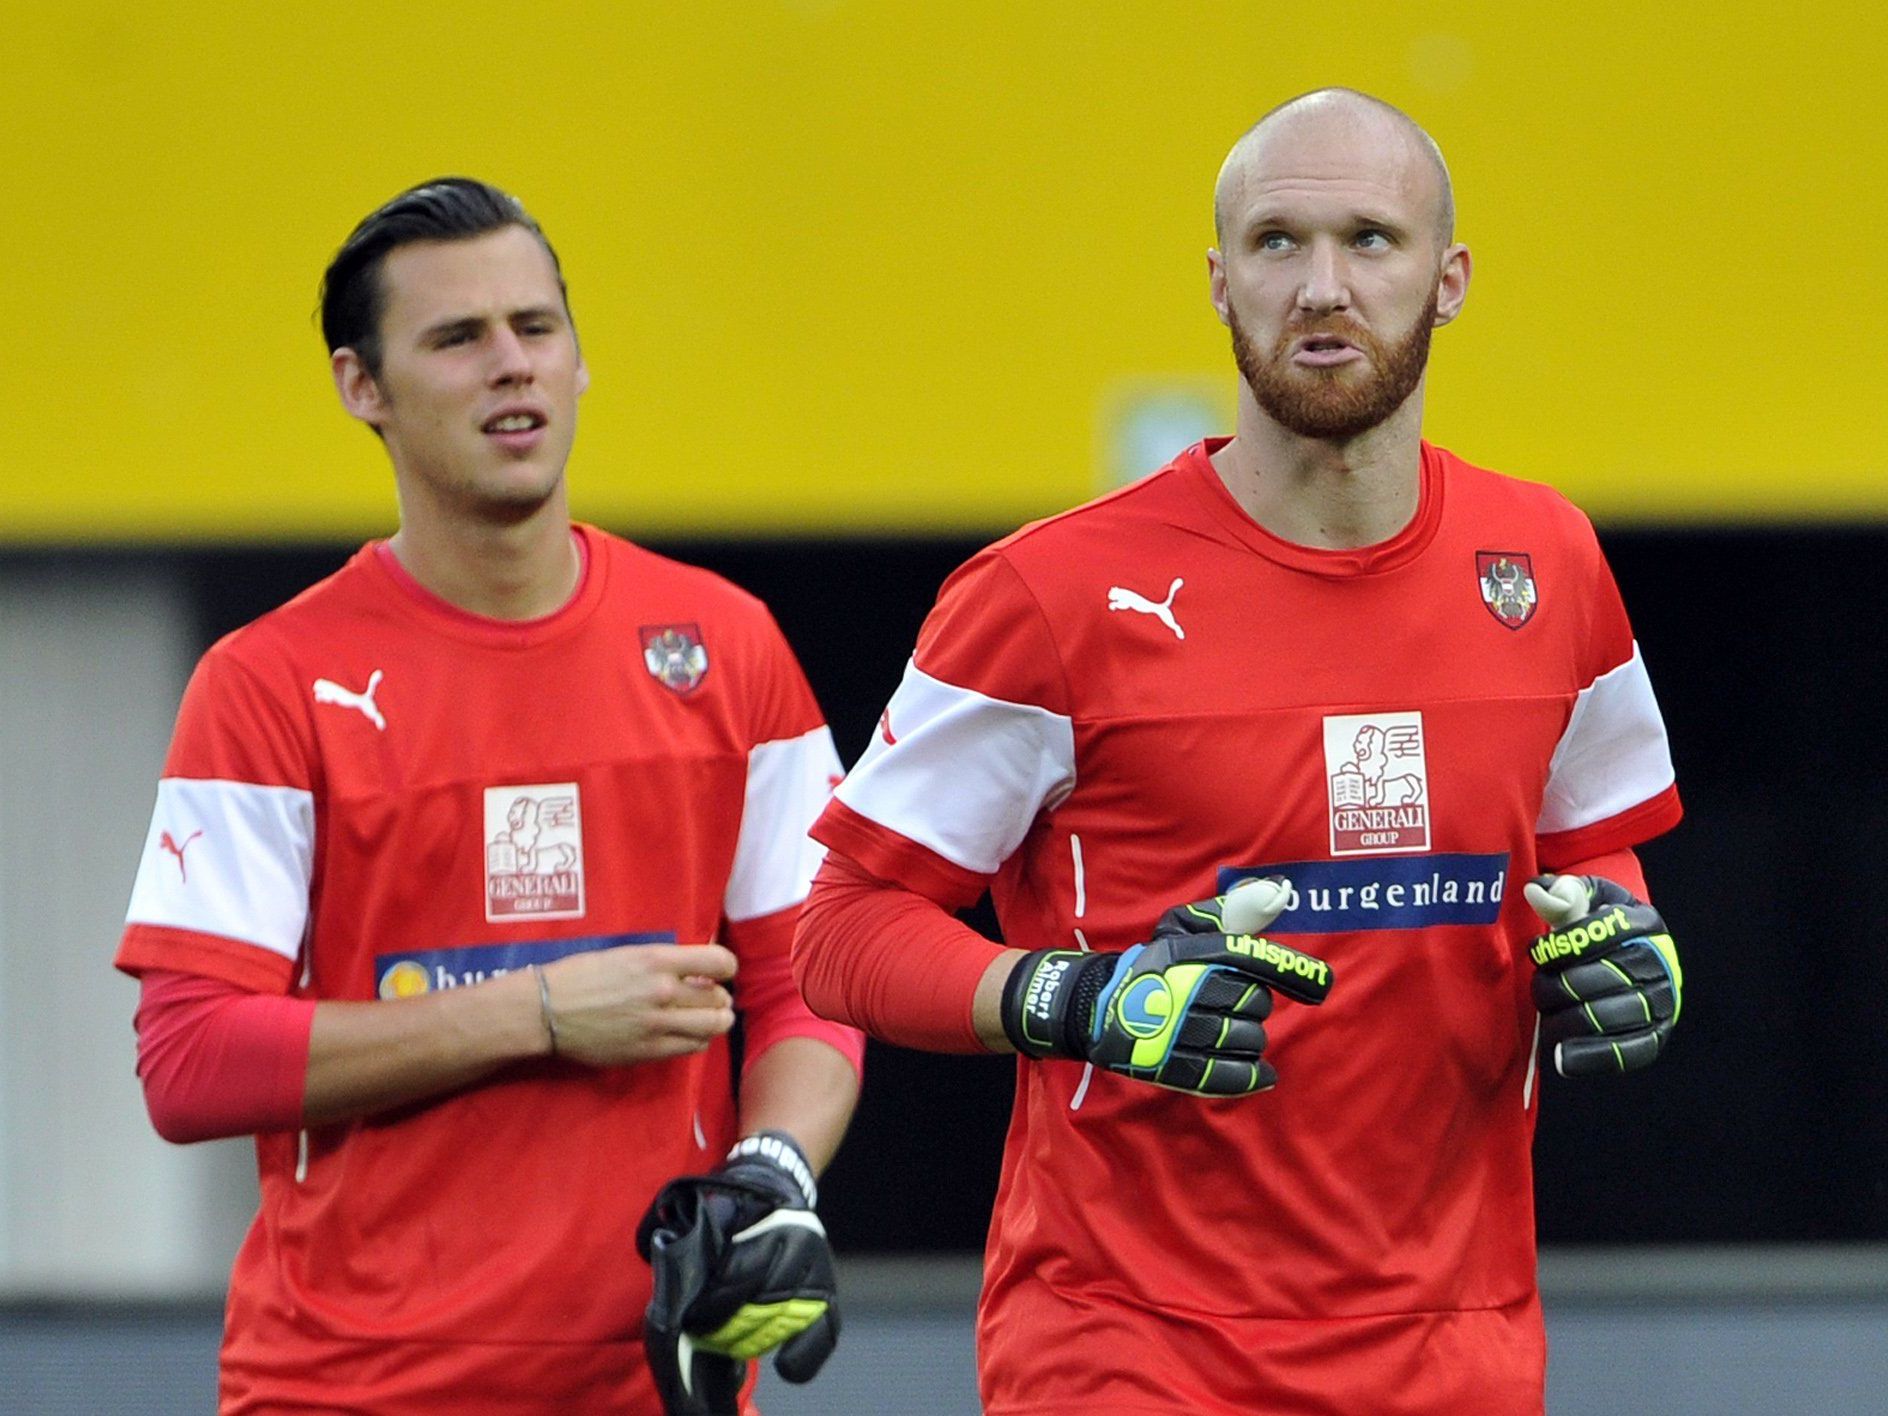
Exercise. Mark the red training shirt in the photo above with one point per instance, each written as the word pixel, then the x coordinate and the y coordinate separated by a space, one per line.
pixel 1141 701
pixel 371 794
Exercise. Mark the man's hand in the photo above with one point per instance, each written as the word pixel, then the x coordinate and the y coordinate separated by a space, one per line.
pixel 1184 1010
pixel 638 1002
pixel 742 1267
pixel 1608 982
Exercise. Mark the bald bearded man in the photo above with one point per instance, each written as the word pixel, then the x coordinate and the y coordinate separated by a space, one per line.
pixel 1397 690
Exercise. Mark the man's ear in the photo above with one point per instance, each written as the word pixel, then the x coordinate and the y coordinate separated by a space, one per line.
pixel 1216 286
pixel 359 389
pixel 1452 283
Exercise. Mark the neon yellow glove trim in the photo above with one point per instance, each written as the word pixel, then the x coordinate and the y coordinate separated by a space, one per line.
pixel 759 1328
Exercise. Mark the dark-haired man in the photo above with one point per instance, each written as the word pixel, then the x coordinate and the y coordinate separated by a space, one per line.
pixel 428 897
pixel 1390 686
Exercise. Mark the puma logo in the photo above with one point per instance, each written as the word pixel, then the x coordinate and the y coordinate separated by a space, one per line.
pixel 328 691
pixel 1120 599
pixel 167 842
pixel 885 728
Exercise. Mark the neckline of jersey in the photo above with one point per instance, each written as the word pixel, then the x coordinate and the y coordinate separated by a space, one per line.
pixel 1398 550
pixel 463 624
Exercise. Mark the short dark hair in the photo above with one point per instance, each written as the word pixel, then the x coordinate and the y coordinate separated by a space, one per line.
pixel 444 209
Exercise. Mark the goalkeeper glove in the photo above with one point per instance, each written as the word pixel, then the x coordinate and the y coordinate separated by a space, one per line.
pixel 742 1267
pixel 1608 982
pixel 1184 1010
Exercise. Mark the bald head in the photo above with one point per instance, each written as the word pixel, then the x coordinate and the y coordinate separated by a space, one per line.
pixel 1335 130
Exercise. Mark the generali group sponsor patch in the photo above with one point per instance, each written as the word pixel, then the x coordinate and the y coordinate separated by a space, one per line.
pixel 1377 772
pixel 533 852
pixel 408 974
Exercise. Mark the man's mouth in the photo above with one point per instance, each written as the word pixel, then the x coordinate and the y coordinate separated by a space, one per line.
pixel 1324 350
pixel 515 423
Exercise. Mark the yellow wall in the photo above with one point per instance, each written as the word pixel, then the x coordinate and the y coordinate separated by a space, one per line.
pixel 883 265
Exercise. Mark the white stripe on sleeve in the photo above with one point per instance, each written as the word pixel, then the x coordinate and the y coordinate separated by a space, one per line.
pixel 1612 756
pixel 788 783
pixel 961 773
pixel 228 858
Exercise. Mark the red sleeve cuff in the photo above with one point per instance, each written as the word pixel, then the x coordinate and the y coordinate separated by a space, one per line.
pixel 893 857
pixel 1559 850
pixel 148 947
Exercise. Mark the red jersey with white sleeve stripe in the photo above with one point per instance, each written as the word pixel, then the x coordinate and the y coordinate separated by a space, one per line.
pixel 371 794
pixel 1146 699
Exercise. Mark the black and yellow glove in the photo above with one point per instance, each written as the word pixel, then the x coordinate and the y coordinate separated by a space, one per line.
pixel 1607 979
pixel 742 1267
pixel 1185 1010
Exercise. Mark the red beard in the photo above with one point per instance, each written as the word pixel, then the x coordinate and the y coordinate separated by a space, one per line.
pixel 1338 403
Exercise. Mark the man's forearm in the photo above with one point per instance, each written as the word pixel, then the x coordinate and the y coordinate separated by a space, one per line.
pixel 894 962
pixel 368 1057
pixel 805 1088
pixel 217 1060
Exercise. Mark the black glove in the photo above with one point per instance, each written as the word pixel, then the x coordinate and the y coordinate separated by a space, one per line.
pixel 742 1267
pixel 1184 1010
pixel 1608 982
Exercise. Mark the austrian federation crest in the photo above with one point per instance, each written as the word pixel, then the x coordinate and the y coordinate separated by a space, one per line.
pixel 675 656
pixel 1507 583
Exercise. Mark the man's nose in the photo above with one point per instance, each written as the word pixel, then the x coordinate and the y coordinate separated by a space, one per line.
pixel 1326 284
pixel 511 358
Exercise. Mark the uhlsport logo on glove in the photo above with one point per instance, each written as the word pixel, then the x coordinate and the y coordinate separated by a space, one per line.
pixel 1286 961
pixel 1557 944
